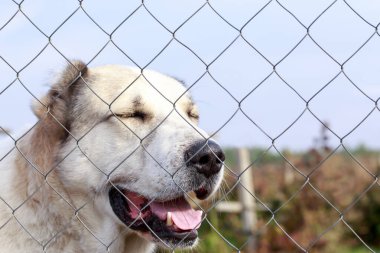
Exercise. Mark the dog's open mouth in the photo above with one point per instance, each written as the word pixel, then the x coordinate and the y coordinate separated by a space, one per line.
pixel 172 222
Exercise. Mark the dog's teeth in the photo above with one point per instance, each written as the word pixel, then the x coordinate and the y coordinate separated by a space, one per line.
pixel 169 221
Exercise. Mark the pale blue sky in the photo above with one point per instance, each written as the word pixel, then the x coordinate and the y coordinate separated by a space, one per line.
pixel 273 32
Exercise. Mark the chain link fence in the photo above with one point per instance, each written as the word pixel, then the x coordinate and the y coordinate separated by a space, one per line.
pixel 303 199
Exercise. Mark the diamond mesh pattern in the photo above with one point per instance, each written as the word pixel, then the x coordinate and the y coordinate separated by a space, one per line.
pixel 252 35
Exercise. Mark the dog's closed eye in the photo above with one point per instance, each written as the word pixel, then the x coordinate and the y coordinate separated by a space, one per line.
pixel 136 114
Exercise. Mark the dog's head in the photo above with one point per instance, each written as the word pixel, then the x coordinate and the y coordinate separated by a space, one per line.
pixel 131 141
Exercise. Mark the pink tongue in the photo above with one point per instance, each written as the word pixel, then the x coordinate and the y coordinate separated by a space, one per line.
pixel 183 216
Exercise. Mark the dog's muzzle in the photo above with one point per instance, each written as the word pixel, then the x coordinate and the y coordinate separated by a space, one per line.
pixel 172 220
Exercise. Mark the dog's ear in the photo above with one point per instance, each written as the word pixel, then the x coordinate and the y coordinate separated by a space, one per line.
pixel 40 146
pixel 52 110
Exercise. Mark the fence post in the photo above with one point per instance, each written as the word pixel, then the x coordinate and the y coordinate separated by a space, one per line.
pixel 248 203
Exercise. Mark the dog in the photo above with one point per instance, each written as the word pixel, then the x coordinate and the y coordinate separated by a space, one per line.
pixel 110 166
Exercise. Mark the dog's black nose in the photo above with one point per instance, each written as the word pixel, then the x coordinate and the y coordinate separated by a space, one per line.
pixel 206 156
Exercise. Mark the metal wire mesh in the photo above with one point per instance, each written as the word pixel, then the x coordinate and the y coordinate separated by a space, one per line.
pixel 238 34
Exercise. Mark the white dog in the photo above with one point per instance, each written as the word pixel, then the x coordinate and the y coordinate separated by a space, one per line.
pixel 108 166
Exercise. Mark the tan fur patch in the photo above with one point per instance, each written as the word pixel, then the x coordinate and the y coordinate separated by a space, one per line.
pixel 39 148
pixel 53 116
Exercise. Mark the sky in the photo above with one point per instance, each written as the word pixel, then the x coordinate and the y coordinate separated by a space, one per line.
pixel 239 86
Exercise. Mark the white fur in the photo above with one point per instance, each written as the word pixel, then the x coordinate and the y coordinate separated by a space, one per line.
pixel 71 205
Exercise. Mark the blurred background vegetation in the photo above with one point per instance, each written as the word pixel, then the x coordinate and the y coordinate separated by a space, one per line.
pixel 342 181
pixel 307 217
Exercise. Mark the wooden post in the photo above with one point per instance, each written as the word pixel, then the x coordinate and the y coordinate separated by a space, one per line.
pixel 248 203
